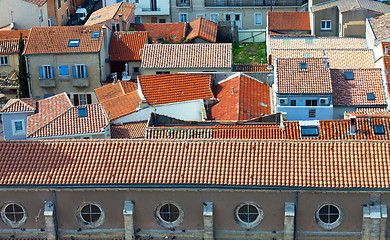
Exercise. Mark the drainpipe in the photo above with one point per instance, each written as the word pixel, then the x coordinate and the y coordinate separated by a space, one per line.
pixel 296 215
pixel 55 214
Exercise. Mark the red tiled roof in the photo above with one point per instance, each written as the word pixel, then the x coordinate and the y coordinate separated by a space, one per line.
pixel 293 164
pixel 69 123
pixel 9 40
pixel 251 68
pixel 37 2
pixel 187 56
pixel 203 28
pixel 122 105
pixel 173 31
pixel 370 112
pixel 127 46
pixel 241 98
pixel 49 40
pixel 288 21
pixel 13 34
pixel 354 92
pixel 291 78
pixel 129 130
pixel 111 12
pixel 20 105
pixel 169 88
pixel 113 90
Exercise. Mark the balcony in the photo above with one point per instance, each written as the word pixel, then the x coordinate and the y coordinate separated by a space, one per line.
pixel 159 8
pixel 47 83
pixel 80 82
pixel 252 3
pixel 183 3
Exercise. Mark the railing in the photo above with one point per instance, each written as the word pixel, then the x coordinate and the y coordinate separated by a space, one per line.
pixel 151 9
pixel 252 3
pixel 183 3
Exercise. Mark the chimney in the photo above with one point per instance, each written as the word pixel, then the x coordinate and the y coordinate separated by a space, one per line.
pixel 121 23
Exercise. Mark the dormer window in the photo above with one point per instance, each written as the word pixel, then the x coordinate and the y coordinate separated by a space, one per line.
pixel 379 129
pixel 348 75
pixel 82 112
pixel 310 131
pixel 303 65
pixel 74 43
pixel 96 34
pixel 371 96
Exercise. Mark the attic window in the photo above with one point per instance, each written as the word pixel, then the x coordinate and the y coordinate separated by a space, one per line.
pixel 348 75
pixel 96 17
pixel 371 96
pixel 379 129
pixel 96 34
pixel 303 65
pixel 74 43
pixel 82 112
pixel 311 131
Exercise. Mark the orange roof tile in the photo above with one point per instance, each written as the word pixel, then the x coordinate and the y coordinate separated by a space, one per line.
pixel 288 21
pixel 129 130
pixel 50 40
pixel 122 105
pixel 174 31
pixel 317 43
pixel 289 164
pixel 354 92
pixel 127 46
pixel 111 12
pixel 13 34
pixel 169 88
pixel 20 105
pixel 113 90
pixel 241 98
pixel 203 28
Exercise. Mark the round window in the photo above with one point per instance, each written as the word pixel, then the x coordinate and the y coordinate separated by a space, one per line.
pixel 248 215
pixel 169 214
pixel 329 216
pixel 13 214
pixel 91 214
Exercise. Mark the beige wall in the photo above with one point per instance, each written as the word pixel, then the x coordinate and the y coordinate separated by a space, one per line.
pixel 327 14
pixel 13 60
pixel 183 70
pixel 354 22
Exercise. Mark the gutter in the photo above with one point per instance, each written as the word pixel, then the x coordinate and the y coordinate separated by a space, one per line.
pixel 62 136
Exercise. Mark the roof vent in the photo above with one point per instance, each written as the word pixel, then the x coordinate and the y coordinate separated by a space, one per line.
pixel 82 112
pixel 371 96
pixel 348 75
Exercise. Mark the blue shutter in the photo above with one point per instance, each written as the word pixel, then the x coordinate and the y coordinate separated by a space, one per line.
pixel 40 72
pixel 64 70
pixel 85 72
pixel 52 72
pixel 74 71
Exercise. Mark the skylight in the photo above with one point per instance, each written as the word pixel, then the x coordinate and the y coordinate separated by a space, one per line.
pixel 74 43
pixel 96 34
pixel 370 96
pixel 311 131
pixel 82 112
pixel 96 17
pixel 348 75
pixel 379 129
pixel 303 65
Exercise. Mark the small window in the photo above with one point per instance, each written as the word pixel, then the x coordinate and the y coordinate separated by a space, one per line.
pixel 136 70
pixel 329 216
pixel 312 113
pixel 163 72
pixel 237 17
pixel 74 43
pixel 379 129
pixel 96 34
pixel 59 4
pixel 162 20
pixel 309 131
pixel 258 19
pixel 18 127
pixel 4 61
pixel 293 102
pixel 169 214
pixel 371 96
pixel 82 112
pixel 137 19
pixel 80 71
pixel 83 100
pixel 13 214
pixel 348 75
pixel 183 17
pixel 326 25
pixel 46 72
pixel 311 102
pixel 90 215
pixel 64 70
pixel 303 65
pixel 227 17
pixel 248 215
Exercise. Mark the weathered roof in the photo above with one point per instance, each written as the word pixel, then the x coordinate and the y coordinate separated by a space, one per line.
pixel 9 40
pixel 51 40
pixel 111 12
pixel 288 21
pixel 13 34
pixel 203 28
pixel 380 26
pixel 20 105
pixel 169 31
pixel 320 43
pixel 129 130
pixel 127 46
pixel 187 56
pixel 350 5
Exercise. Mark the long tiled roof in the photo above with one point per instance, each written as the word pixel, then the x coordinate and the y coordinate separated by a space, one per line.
pixel 313 79
pixel 291 164
pixel 37 2
pixel 20 105
pixel 129 130
pixel 321 43
pixel 354 92
pixel 350 5
pixel 111 12
pixel 203 28
pixel 187 56
pixel 49 40
pixel 240 98
pixel 170 88
pixel 113 90
pixel 288 21
pixel 13 34
pixel 127 46
pixel 69 123
pixel 173 31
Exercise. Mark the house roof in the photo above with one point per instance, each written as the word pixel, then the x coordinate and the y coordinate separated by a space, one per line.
pixel 51 40
pixel 13 34
pixel 127 46
pixel 288 21
pixel 292 79
pixel 240 98
pixel 9 40
pixel 20 105
pixel 129 130
pixel 173 31
pixel 354 92
pixel 69 122
pixel 319 43
pixel 288 164
pixel 187 56
pixel 379 26
pixel 37 2
pixel 350 5
pixel 113 90
pixel 340 59
pixel 111 12
pixel 170 88
pixel 203 28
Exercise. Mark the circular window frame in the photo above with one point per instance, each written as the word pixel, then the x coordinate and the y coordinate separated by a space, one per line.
pixel 253 224
pixel 7 221
pixel 329 226
pixel 164 223
pixel 84 223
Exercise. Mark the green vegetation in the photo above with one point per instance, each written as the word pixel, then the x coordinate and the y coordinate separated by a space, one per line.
pixel 23 84
pixel 251 53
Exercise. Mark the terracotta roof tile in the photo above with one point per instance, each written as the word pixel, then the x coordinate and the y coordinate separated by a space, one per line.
pixel 313 79
pixel 354 92
pixel 14 34
pixel 111 12
pixel 127 46
pixel 251 68
pixel 174 31
pixel 49 40
pixel 319 43
pixel 113 90
pixel 241 98
pixel 169 88
pixel 129 130
pixel 203 28
pixel 369 112
pixel 293 164
pixel 20 105
pixel 69 123
pixel 122 105
pixel 187 56
pixel 288 21
pixel 37 2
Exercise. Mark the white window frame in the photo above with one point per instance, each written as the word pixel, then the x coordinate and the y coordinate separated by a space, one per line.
pixel 80 71
pixel 83 99
pixel 18 132
pixel 182 15
pixel 214 14
pixel 46 72
pixel 255 15
pixel 4 61
pixel 326 28
pixel 227 14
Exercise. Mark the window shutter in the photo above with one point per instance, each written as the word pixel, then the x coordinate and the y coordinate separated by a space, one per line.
pixel 76 99
pixel 51 72
pixel 40 72
pixel 85 72
pixel 89 98
pixel 74 71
